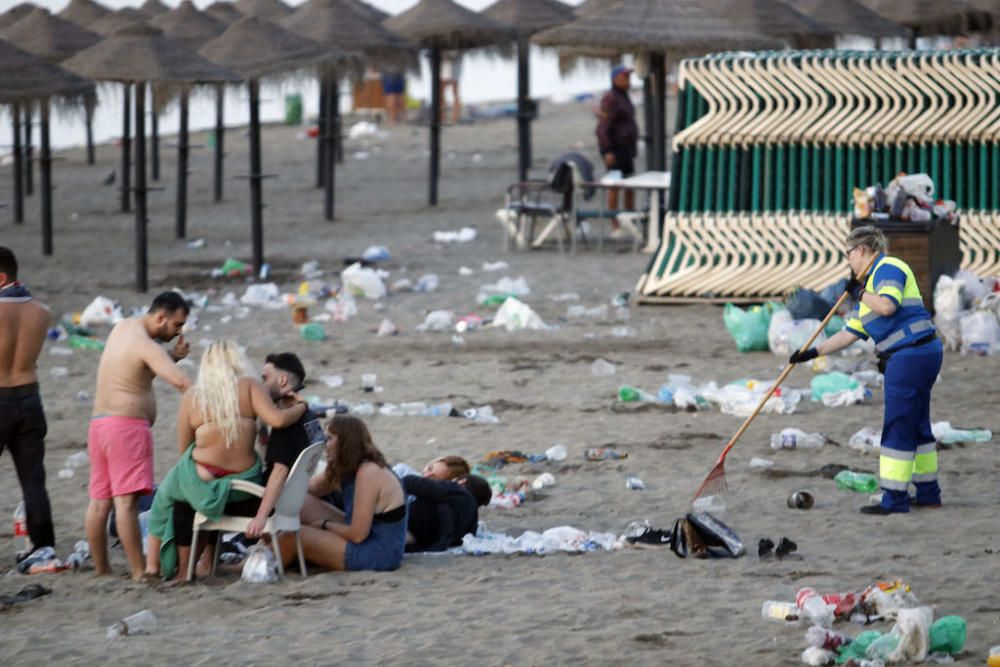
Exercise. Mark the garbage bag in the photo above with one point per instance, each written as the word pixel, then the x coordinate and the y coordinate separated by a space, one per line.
pixel 807 304
pixel 260 566
pixel 749 327
pixel 980 332
pixel 785 334
pixel 948 635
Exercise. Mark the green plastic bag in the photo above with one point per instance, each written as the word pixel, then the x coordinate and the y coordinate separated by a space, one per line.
pixel 831 383
pixel 948 635
pixel 835 324
pixel 857 648
pixel 749 327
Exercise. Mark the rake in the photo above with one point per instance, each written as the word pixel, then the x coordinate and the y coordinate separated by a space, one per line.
pixel 715 482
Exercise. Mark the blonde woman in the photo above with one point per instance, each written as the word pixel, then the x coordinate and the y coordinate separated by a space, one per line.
pixel 216 426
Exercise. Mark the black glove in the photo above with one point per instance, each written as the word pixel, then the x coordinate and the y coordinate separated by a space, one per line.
pixel 854 288
pixel 799 357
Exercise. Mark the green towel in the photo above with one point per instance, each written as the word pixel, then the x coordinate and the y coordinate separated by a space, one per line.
pixel 182 484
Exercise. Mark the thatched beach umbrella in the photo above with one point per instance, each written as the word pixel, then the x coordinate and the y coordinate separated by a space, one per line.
pixel 26 78
pixel 224 11
pixel 111 23
pixel 659 28
pixel 255 49
pixel 16 13
pixel 527 17
pixel 136 55
pixel 270 10
pixel 153 8
pixel 438 25
pixel 368 11
pixel 848 17
pixel 194 29
pixel 83 12
pixel 54 39
pixel 336 22
pixel 930 17
pixel 775 19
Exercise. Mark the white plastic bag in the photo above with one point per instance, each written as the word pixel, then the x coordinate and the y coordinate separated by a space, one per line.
pixel 514 315
pixel 980 332
pixel 101 310
pixel 785 335
pixel 362 281
pixel 260 566
pixel 947 310
pixel 264 294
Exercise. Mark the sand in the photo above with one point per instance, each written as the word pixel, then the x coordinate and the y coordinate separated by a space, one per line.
pixel 628 606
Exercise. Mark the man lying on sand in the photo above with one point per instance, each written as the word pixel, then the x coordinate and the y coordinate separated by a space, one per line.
pixel 120 438
pixel 23 323
pixel 443 512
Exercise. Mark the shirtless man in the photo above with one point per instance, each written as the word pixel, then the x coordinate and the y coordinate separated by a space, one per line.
pixel 120 439
pixel 23 323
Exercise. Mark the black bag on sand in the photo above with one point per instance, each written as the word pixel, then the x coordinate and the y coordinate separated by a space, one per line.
pixel 702 535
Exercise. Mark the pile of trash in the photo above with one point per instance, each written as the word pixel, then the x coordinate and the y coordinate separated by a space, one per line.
pixel 967 313
pixel 566 539
pixel 908 197
pixel 782 329
pixel 914 637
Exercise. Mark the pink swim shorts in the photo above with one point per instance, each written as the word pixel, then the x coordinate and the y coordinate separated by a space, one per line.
pixel 121 456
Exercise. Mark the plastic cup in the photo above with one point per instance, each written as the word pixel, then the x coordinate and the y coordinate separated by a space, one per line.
pixel 368 381
pixel 994 659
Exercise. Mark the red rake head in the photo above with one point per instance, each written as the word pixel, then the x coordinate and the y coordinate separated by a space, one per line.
pixel 714 484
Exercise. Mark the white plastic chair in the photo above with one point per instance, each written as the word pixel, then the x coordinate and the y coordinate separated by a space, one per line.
pixel 285 518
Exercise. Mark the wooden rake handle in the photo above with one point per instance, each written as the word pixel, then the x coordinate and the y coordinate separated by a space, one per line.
pixel 790 366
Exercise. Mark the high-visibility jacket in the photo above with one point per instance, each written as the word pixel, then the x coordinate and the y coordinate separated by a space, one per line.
pixel 892 278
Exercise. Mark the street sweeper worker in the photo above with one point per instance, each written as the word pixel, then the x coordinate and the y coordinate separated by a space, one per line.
pixel 890 310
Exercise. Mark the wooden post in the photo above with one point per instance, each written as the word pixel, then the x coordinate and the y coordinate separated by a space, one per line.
pixel 29 169
pixel 256 200
pixel 220 135
pixel 182 168
pixel 45 178
pixel 328 139
pixel 524 114
pixel 154 117
pixel 435 126
pixel 127 149
pixel 141 253
pixel 89 122
pixel 18 165
pixel 322 131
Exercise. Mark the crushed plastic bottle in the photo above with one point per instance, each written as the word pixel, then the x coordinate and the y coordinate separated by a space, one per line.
pixel 22 542
pixel 814 608
pixel 793 438
pixel 556 452
pixel 867 439
pixel 861 482
pixel 775 610
pixel 627 394
pixel 947 435
pixel 141 623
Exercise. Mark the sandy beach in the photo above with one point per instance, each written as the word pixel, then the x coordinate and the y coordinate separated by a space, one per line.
pixel 638 606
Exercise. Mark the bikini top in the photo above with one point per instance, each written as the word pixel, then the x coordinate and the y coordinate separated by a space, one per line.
pixel 391 516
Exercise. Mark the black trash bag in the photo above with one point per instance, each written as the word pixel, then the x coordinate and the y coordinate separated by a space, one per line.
pixel 702 535
pixel 805 304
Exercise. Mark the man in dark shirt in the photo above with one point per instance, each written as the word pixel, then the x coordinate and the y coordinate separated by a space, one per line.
pixel 617 132
pixel 283 373
pixel 441 512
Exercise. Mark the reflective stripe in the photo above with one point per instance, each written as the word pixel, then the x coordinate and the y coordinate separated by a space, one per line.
pixel 889 283
pixel 925 463
pixel 920 325
pixel 869 317
pixel 929 448
pixel 893 470
pixel 910 301
pixel 925 477
pixel 893 486
pixel 897 454
pixel 901 334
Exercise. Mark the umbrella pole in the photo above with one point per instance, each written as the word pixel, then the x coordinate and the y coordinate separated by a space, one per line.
pixel 330 164
pixel 432 184
pixel 18 165
pixel 658 74
pixel 647 118
pixel 45 178
pixel 338 136
pixel 89 124
pixel 256 205
pixel 127 149
pixel 154 121
pixel 523 112
pixel 141 254
pixel 321 145
pixel 182 167
pixel 220 134
pixel 29 174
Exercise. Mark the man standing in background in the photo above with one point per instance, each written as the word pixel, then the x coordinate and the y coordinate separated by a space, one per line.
pixel 618 133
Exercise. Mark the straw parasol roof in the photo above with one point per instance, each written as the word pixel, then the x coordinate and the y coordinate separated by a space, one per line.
pixel 848 17
pixel 49 37
pixel 272 10
pixel 928 17
pixel 530 16
pixel 447 25
pixel 16 13
pixel 336 22
pixel 366 10
pixel 774 18
pixel 593 6
pixel 189 25
pixel 143 53
pixel 25 77
pixel 674 26
pixel 117 20
pixel 153 8
pixel 257 48
pixel 83 12
pixel 224 11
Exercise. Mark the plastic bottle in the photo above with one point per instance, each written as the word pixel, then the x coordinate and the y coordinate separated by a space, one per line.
pixel 793 438
pixel 861 482
pixel 628 394
pixel 78 342
pixel 312 331
pixel 141 623
pixel 22 542
pixel 784 612
pixel 814 608
pixel 867 439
